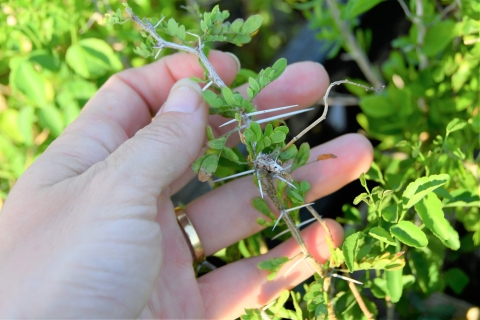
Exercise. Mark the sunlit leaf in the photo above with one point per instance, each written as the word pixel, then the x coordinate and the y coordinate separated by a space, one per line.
pixel 410 234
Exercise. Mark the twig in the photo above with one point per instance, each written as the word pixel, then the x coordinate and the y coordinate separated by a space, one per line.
pixel 327 281
pixel 354 48
pixel 325 110
pixel 360 301
pixel 161 43
pixel 421 29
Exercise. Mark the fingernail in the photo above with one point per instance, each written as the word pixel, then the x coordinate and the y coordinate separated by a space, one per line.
pixel 185 96
pixel 237 61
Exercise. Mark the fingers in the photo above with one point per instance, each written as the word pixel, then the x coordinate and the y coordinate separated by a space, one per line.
pixel 302 83
pixel 122 106
pixel 227 291
pixel 225 215
pixel 160 152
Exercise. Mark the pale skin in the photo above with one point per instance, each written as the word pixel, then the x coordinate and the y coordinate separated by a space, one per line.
pixel 89 230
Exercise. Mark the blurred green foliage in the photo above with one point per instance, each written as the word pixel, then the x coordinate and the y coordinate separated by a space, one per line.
pixel 55 55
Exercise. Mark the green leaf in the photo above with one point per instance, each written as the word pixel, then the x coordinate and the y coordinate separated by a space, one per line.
pixel 261 205
pixel 296 196
pixel 377 106
pixel 302 156
pixel 249 136
pixel 278 137
pixel 9 121
pixel 278 67
pixel 252 314
pixel 455 125
pixel 453 241
pixel 92 58
pixel 210 135
pixel 236 25
pixel 212 99
pixel 382 235
pixel 375 174
pixel 257 130
pixel 253 84
pixel 198 163
pixel 456 279
pixel 289 153
pixel 172 26
pixel 181 34
pixel 394 284
pixel 217 144
pixel 272 266
pixel 350 250
pixel 229 154
pixel 462 198
pixel 268 130
pixel 207 19
pixel 29 82
pixel 438 37
pixel 283 129
pixel 252 24
pixel 355 8
pixel 361 197
pixel 418 189
pixel 26 119
pixel 410 234
pixel 208 167
pixel 430 211
pixel 228 95
pixel 51 118
pixel 363 180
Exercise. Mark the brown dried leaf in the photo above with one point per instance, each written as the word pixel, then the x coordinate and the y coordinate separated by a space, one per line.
pixel 203 176
pixel 326 156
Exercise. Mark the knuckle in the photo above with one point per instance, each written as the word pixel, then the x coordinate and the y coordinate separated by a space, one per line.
pixel 166 132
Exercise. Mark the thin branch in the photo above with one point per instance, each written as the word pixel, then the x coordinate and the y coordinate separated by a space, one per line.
pixel 325 110
pixel 161 43
pixel 360 301
pixel 298 226
pixel 354 48
pixel 421 29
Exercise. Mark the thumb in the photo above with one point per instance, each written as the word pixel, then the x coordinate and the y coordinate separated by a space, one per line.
pixel 160 152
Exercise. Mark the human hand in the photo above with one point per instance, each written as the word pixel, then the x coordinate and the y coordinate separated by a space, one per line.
pixel 89 230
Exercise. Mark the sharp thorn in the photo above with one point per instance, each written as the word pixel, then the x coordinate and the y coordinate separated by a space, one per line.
pixel 235 175
pixel 293 266
pixel 346 278
pixel 207 86
pixel 308 266
pixel 284 115
pixel 278 220
pixel 228 122
pixel 270 110
pixel 286 181
pixel 260 186
pixel 299 207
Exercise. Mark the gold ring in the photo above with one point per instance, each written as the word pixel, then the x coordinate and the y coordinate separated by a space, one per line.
pixel 196 246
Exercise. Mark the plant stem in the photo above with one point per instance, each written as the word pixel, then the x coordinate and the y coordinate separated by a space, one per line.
pixel 325 110
pixel 161 43
pixel 421 29
pixel 360 301
pixel 354 48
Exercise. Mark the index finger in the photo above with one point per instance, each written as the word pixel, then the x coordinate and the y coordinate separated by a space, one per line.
pixel 122 106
